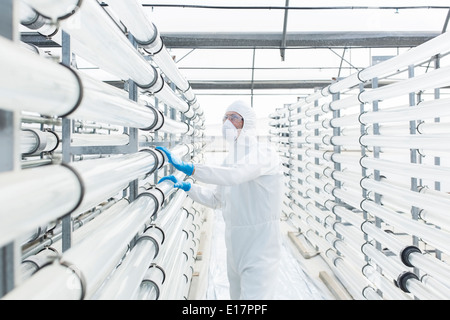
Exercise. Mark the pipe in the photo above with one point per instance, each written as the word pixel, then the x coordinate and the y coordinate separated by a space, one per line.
pixel 105 177
pixel 90 27
pixel 428 142
pixel 30 18
pixel 428 233
pixel 84 230
pixel 73 95
pixel 34 142
pixel 176 127
pixel 351 277
pixel 423 52
pixel 426 127
pixel 151 284
pixel 90 270
pixel 439 288
pixel 148 37
pixel 421 170
pixel 67 189
pixel 409 282
pixel 387 287
pixel 104 102
pixel 430 80
pixel 32 264
pixel 60 193
pixel 434 202
pixel 53 89
pixel 126 279
pixel 56 281
pixel 423 110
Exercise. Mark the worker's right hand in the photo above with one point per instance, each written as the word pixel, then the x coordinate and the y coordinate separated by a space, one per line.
pixel 186 167
pixel 186 186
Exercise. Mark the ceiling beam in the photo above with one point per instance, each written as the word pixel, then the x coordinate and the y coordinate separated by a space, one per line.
pixel 209 40
pixel 262 84
pixel 233 40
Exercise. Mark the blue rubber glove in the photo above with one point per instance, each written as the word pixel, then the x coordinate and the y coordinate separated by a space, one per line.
pixel 186 167
pixel 186 186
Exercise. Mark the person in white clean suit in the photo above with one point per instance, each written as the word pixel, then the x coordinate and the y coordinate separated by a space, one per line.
pixel 247 187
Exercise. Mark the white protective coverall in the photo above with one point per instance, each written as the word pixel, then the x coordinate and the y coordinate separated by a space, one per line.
pixel 248 190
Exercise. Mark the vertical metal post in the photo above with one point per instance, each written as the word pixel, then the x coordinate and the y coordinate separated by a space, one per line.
pixel 413 153
pixel 336 149
pixel 66 136
pixel 253 76
pixel 376 154
pixel 437 160
pixel 133 132
pixel 337 165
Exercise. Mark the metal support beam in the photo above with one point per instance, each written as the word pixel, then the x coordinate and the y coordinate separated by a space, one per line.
pixel 283 41
pixel 241 40
pixel 262 84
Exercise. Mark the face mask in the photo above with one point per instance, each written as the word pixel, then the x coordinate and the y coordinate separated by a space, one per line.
pixel 229 131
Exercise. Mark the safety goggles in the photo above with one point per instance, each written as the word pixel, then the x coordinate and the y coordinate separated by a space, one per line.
pixel 232 117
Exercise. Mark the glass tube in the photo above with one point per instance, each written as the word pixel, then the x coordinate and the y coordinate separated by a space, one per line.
pixel 125 280
pixel 426 50
pixel 391 267
pixel 431 266
pixel 345 83
pixel 97 32
pixel 408 169
pixel 149 288
pixel 353 237
pixel 109 104
pixel 437 285
pixel 424 110
pixel 346 157
pixel 90 227
pixel 106 176
pixel 33 142
pixel 33 83
pixel 29 141
pixel 429 142
pixel 430 80
pixel 439 240
pixel 434 128
pixel 349 196
pixel 438 203
pixel 346 176
pixel 55 281
pixel 52 9
pixel 50 190
pixel 175 127
pixel 381 236
pixel 350 120
pixel 347 215
pixel 419 290
pixel 168 96
pixel 390 291
pixel 344 103
pixel 113 238
pixel 142 29
pixel 349 141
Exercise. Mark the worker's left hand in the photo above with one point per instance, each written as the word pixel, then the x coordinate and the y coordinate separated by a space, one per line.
pixel 186 167
pixel 186 186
